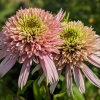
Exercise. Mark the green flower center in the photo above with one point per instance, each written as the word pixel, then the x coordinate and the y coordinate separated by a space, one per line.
pixel 32 23
pixel 31 26
pixel 69 35
pixel 73 48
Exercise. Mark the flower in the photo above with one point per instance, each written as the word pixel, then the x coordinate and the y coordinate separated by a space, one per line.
pixel 81 45
pixel 31 35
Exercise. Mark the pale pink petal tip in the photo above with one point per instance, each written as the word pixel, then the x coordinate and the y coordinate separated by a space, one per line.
pixel 60 15
pixel 49 68
pixel 90 75
pixel 7 64
pixel 41 79
pixel 79 79
pixel 36 69
pixel 23 75
pixel 93 59
pixel 53 86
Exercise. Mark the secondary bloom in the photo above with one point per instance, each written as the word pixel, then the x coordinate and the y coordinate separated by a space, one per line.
pixel 31 35
pixel 81 45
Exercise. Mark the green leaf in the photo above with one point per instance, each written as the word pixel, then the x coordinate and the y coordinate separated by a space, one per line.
pixel 63 92
pixel 76 94
pixel 24 88
pixel 36 91
pixel 9 97
pixel 62 77
pixel 59 95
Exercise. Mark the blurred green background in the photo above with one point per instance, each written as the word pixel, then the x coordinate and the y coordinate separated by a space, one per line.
pixel 87 11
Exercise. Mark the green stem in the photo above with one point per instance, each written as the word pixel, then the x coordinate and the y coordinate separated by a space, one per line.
pixel 49 98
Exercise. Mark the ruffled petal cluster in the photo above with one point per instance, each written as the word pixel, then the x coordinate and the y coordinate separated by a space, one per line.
pixel 31 35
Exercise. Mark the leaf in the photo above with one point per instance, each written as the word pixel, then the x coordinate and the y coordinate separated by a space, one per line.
pixel 63 91
pixel 59 95
pixel 9 97
pixel 24 88
pixel 76 94
pixel 62 77
pixel 36 91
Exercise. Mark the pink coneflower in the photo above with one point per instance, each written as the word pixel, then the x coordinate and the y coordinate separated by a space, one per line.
pixel 31 35
pixel 80 44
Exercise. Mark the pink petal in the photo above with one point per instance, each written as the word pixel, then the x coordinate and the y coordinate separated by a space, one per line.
pixel 62 66
pixel 1 38
pixel 3 53
pixel 43 66
pixel 68 79
pixel 49 68
pixel 60 15
pixel 53 86
pixel 36 69
pixel 47 71
pixel 90 75
pixel 79 79
pixel 22 58
pixel 49 61
pixel 94 60
pixel 23 75
pixel 7 64
pixel 97 53
pixel 4 62
pixel 41 79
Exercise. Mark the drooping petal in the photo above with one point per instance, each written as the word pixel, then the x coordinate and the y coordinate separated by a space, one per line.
pixel 4 62
pixel 23 75
pixel 37 67
pixel 97 53
pixel 0 39
pixel 43 66
pixel 49 60
pixel 7 64
pixel 41 79
pixel 94 60
pixel 53 86
pixel 49 68
pixel 79 79
pixel 2 53
pixel 90 75
pixel 68 79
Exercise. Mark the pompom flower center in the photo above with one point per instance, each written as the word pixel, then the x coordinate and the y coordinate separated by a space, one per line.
pixel 77 39
pixel 69 35
pixel 31 26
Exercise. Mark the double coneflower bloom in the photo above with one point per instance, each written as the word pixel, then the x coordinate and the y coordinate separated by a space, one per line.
pixel 31 35
pixel 36 35
pixel 81 44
